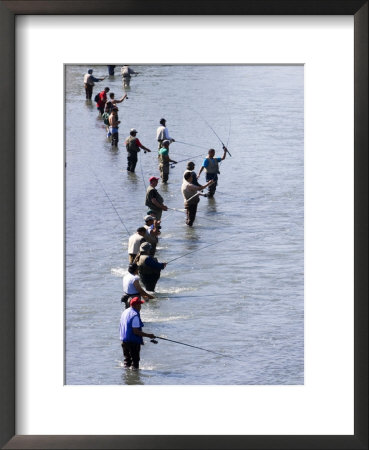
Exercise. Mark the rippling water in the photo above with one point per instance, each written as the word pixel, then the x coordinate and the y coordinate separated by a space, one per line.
pixel 242 297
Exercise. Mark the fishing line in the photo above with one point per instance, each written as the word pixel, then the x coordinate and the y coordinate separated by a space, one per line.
pixel 176 209
pixel 194 346
pixel 230 121
pixel 192 145
pixel 112 204
pixel 197 250
pixel 143 177
pixel 212 129
pixel 229 132
pixel 192 157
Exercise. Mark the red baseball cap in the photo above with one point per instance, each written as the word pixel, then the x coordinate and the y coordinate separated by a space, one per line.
pixel 136 301
pixel 153 178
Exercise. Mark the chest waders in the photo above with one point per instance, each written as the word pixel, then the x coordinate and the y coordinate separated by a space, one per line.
pixel 164 168
pixel 132 150
pixel 212 174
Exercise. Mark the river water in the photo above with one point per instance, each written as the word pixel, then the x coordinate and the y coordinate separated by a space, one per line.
pixel 242 297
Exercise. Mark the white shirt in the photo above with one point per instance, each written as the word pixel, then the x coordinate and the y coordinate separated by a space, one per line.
pixel 134 243
pixel 188 191
pixel 162 134
pixel 128 286
pixel 127 71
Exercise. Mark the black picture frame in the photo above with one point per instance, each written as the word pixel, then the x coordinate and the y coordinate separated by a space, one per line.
pixel 8 12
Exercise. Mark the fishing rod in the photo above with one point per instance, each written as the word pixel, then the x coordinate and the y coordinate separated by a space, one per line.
pixel 112 204
pixel 193 251
pixel 229 132
pixel 191 157
pixel 176 209
pixel 212 129
pixel 194 346
pixel 197 193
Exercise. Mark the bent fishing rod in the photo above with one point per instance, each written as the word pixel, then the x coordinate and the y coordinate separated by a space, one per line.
pixel 212 129
pixel 112 204
pixel 194 346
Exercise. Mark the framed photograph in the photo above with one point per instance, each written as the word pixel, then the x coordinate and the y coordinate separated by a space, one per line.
pixel 284 88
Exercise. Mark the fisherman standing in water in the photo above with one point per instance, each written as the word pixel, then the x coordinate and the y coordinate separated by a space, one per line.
pixel 89 82
pixel 114 101
pixel 134 243
pixel 162 134
pixel 164 161
pixel 152 227
pixel 132 287
pixel 133 146
pixel 191 169
pixel 131 334
pixel 111 70
pixel 114 126
pixel 154 201
pixel 189 191
pixel 211 166
pixel 100 104
pixel 148 267
pixel 126 72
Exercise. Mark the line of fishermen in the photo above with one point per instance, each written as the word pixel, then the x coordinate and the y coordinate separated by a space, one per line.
pixel 144 267
pixel 142 244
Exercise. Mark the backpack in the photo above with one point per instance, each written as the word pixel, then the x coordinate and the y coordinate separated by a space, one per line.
pixel 105 118
pixel 96 99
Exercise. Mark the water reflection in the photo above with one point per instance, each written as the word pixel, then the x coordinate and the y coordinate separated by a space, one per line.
pixel 191 233
pixel 131 376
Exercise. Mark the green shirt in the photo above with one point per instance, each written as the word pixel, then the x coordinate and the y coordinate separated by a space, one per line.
pixel 164 156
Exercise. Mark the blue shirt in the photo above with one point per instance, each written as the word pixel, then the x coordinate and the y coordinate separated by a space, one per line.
pixel 206 161
pixel 151 262
pixel 125 326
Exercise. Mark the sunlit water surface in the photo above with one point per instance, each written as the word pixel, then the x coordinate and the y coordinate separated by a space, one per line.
pixel 243 296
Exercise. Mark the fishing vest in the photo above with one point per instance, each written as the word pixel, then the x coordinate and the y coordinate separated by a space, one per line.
pixel 213 166
pixel 127 330
pixel 144 269
pixel 131 145
pixel 158 197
